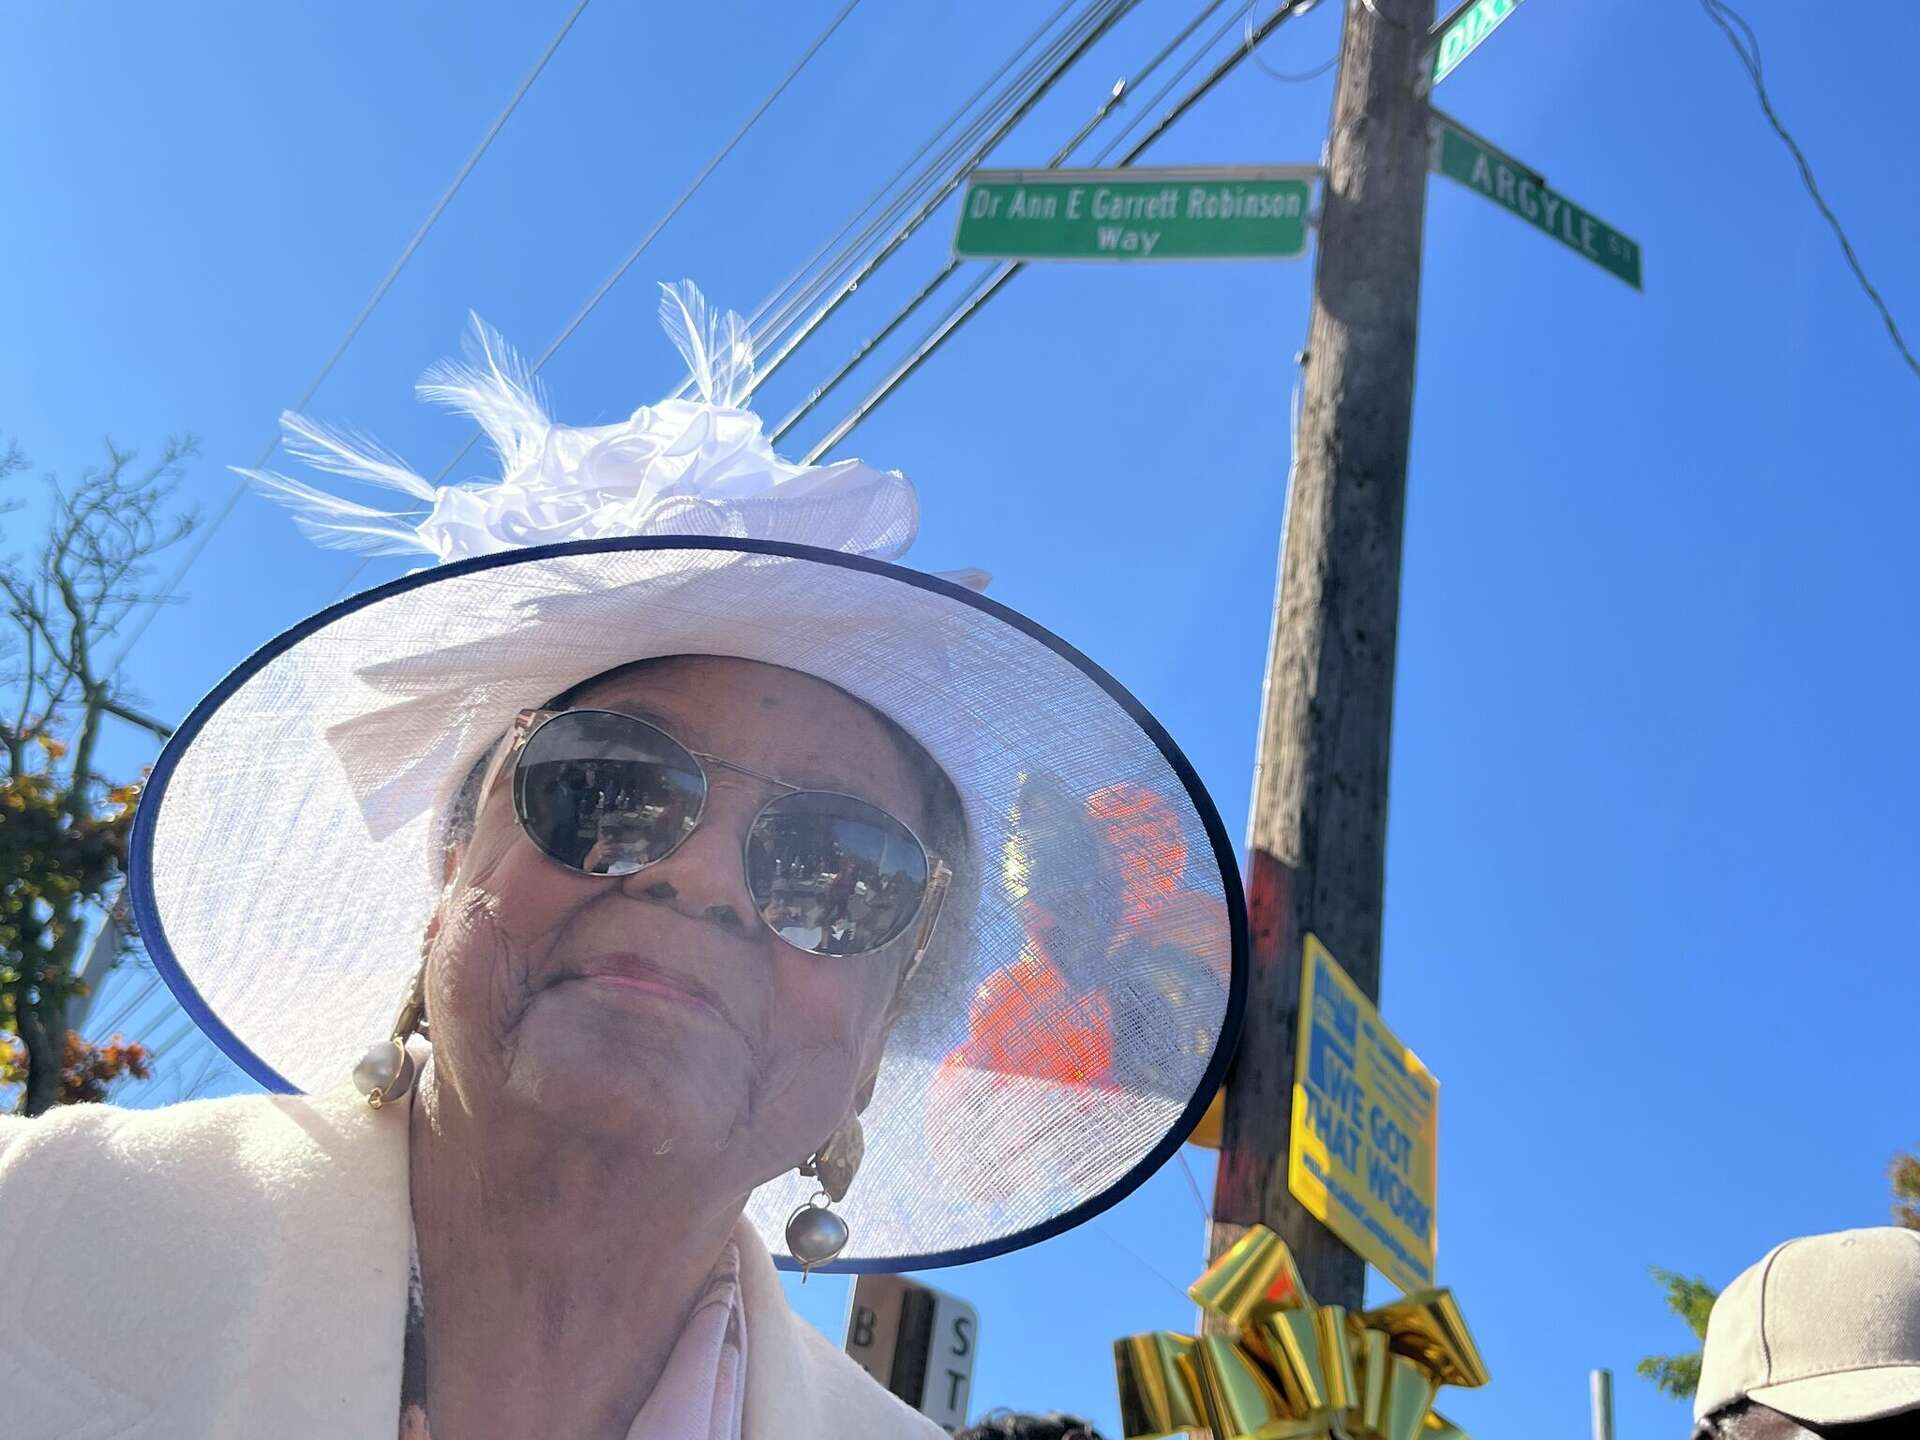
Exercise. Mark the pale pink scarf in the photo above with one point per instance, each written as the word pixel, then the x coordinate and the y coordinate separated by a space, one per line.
pixel 704 1387
pixel 702 1392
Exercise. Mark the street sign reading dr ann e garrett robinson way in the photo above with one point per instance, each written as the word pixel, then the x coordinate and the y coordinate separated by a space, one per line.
pixel 1198 213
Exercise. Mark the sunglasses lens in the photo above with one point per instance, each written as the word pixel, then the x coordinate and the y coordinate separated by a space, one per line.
pixel 834 875
pixel 606 794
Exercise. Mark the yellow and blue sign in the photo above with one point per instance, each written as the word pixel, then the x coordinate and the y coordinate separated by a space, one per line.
pixel 1366 1127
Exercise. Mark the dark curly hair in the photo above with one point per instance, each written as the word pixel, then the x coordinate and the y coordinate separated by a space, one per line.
pixel 1750 1420
pixel 1006 1425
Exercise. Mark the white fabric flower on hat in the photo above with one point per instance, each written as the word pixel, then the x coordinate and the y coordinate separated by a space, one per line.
pixel 289 849
pixel 682 467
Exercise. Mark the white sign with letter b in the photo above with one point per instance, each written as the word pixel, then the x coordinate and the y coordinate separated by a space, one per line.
pixel 916 1341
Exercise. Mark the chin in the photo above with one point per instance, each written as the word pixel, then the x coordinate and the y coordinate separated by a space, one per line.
pixel 644 1085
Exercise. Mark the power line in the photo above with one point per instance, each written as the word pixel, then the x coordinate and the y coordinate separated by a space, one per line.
pixel 955 317
pixel 149 984
pixel 206 533
pixel 160 1049
pixel 620 270
pixel 1746 45
pixel 925 292
pixel 1297 77
pixel 938 180
pixel 1294 77
pixel 900 316
pixel 900 203
pixel 953 162
pixel 606 286
pixel 184 1088
pixel 1193 1184
pixel 781 290
pixel 1100 26
pixel 1134 1255
pixel 985 289
pixel 1168 85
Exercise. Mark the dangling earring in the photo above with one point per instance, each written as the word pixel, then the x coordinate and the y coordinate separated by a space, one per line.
pixel 387 1071
pixel 814 1233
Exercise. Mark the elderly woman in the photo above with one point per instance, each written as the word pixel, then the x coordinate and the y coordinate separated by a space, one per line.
pixel 746 900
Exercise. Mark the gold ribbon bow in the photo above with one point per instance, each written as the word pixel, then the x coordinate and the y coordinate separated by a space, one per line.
pixel 1290 1369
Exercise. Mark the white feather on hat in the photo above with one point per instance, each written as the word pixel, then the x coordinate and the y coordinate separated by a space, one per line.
pixel 285 851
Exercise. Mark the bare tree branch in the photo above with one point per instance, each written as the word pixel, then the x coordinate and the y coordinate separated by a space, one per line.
pixel 134 717
pixel 88 573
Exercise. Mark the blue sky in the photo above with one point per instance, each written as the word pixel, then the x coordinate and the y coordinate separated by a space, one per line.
pixel 1650 869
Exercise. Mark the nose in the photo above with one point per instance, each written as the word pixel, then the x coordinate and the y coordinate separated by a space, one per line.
pixel 706 876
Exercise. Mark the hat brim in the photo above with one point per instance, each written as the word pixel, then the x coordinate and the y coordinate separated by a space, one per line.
pixel 1845 1398
pixel 282 863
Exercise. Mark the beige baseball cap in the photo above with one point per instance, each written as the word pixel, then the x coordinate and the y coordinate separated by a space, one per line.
pixel 1825 1329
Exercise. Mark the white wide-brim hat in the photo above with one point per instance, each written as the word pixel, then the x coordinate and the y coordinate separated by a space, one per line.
pixel 286 850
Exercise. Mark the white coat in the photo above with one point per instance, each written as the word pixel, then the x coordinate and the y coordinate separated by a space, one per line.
pixel 236 1269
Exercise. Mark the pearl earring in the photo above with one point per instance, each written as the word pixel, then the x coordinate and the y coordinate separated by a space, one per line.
pixel 387 1071
pixel 814 1233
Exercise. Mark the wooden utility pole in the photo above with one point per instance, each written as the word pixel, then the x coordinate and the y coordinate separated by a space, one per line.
pixel 1320 787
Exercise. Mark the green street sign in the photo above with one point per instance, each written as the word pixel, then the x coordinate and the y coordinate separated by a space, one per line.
pixel 1204 213
pixel 1479 166
pixel 1462 32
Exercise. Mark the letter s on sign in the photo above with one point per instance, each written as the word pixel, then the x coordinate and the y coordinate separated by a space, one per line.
pixel 962 1335
pixel 863 1319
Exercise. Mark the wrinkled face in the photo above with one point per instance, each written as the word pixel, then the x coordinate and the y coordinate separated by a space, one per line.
pixel 656 1009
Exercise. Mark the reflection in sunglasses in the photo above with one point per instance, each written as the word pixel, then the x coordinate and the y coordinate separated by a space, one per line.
pixel 609 794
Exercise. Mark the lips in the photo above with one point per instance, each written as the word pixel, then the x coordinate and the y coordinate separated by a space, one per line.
pixel 629 973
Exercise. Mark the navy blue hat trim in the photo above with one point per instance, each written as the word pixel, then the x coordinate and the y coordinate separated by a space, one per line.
pixel 153 932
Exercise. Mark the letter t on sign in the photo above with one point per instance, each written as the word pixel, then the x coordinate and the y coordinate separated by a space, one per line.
pixel 955 1328
pixel 918 1342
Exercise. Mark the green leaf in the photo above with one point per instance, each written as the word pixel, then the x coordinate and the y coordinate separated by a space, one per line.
pixel 1675 1375
pixel 1691 1300
pixel 1905 1175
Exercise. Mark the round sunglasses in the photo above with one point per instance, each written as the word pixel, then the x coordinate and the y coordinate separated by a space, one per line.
pixel 604 793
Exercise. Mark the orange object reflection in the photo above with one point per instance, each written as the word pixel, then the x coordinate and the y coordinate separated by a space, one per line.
pixel 1144 836
pixel 1024 1022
